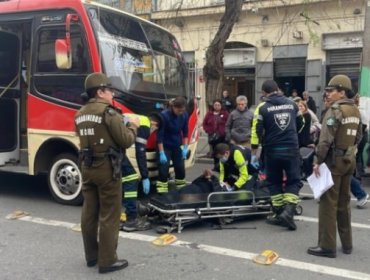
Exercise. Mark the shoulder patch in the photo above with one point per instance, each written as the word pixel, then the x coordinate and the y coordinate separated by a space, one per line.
pixel 335 106
pixel 330 121
pixel 111 111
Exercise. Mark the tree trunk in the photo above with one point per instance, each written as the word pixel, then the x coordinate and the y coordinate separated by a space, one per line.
pixel 213 71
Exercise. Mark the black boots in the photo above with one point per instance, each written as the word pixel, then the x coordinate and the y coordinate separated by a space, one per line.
pixel 138 224
pixel 287 216
pixel 274 218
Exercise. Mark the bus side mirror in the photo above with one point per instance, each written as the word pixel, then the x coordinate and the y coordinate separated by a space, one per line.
pixel 63 48
pixel 63 56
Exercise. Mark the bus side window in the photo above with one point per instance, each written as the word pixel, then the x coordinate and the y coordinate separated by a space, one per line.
pixel 9 55
pixel 63 84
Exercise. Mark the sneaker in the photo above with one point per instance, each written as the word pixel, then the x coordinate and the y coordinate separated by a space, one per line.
pixel 136 225
pixel 362 202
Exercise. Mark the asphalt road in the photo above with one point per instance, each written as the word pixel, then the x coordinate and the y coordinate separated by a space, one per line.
pixel 44 245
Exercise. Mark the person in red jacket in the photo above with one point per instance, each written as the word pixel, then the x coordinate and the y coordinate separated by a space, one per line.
pixel 214 125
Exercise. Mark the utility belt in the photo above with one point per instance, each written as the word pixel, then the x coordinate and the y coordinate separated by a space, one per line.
pixel 348 155
pixel 88 157
pixel 339 152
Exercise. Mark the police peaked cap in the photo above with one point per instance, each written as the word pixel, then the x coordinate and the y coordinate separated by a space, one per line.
pixel 97 80
pixel 341 81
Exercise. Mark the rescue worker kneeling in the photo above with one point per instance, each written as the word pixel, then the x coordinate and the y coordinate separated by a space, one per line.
pixel 236 172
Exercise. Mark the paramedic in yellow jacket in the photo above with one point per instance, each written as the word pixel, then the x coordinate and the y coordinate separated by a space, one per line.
pixel 235 170
pixel 131 179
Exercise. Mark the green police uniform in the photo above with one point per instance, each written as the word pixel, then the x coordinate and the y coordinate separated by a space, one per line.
pixel 100 128
pixel 337 148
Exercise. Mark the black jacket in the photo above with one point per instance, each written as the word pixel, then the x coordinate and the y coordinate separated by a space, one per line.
pixel 275 123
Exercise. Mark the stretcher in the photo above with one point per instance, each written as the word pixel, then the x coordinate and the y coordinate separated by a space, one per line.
pixel 177 210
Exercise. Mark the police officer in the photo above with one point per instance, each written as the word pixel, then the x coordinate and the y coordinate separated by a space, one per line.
pixel 275 123
pixel 103 138
pixel 236 173
pixel 341 132
pixel 130 178
pixel 172 133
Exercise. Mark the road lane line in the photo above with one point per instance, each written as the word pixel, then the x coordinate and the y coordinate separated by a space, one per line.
pixel 315 220
pixel 310 196
pixel 321 269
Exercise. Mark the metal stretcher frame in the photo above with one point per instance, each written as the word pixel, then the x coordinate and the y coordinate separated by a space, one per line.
pixel 178 218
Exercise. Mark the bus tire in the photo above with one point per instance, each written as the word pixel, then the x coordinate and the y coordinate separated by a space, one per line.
pixel 65 180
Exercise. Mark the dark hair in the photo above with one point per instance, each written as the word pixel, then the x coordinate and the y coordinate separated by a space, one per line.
pixel 178 102
pixel 270 86
pixel 92 92
pixel 221 149
pixel 217 100
pixel 349 93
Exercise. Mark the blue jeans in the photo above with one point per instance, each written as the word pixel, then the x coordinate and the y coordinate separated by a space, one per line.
pixel 356 188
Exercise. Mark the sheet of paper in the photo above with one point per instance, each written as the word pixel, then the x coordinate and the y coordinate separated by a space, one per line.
pixel 320 184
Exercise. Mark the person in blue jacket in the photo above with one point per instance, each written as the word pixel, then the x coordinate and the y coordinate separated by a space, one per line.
pixel 172 140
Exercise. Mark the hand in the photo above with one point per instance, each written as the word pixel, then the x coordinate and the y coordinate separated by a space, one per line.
pixel 184 151
pixel 254 162
pixel 134 121
pixel 207 173
pixel 316 170
pixel 226 187
pixel 146 186
pixel 229 188
pixel 162 157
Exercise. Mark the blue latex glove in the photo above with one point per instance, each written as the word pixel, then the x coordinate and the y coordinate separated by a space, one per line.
pixel 162 157
pixel 254 162
pixel 230 188
pixel 146 186
pixel 226 187
pixel 184 151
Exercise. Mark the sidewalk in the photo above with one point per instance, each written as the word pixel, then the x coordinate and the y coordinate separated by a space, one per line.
pixel 202 150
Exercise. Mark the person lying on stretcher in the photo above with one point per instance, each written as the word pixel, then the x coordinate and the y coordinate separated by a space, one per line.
pixel 236 172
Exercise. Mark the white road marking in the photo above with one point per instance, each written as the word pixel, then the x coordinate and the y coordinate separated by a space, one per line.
pixel 315 220
pixel 310 195
pixel 321 269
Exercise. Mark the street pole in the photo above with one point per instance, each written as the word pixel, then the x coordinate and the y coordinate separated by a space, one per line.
pixel 365 69
pixel 365 65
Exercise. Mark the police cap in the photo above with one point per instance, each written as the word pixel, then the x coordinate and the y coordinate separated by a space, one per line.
pixel 340 81
pixel 96 80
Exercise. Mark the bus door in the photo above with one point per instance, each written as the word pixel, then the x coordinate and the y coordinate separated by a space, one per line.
pixel 10 91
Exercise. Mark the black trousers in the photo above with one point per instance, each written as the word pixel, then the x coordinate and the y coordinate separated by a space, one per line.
pixel 279 163
pixel 174 155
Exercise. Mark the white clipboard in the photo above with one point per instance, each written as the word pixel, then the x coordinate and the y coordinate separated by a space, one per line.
pixel 320 184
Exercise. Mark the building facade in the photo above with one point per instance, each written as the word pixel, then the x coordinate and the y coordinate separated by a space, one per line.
pixel 301 44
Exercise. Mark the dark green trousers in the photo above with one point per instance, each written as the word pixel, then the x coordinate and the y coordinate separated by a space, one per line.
pixel 334 208
pixel 100 213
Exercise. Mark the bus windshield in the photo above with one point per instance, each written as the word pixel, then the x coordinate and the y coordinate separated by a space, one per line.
pixel 141 59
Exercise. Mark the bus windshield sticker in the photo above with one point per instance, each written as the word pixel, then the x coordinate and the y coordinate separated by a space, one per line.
pixel 123 42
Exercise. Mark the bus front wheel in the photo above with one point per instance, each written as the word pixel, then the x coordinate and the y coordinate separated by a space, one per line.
pixel 65 180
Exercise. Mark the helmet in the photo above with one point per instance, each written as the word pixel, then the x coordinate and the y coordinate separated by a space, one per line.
pixel 96 80
pixel 340 81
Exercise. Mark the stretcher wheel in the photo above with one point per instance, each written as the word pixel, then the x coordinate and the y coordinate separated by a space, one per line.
pixel 298 210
